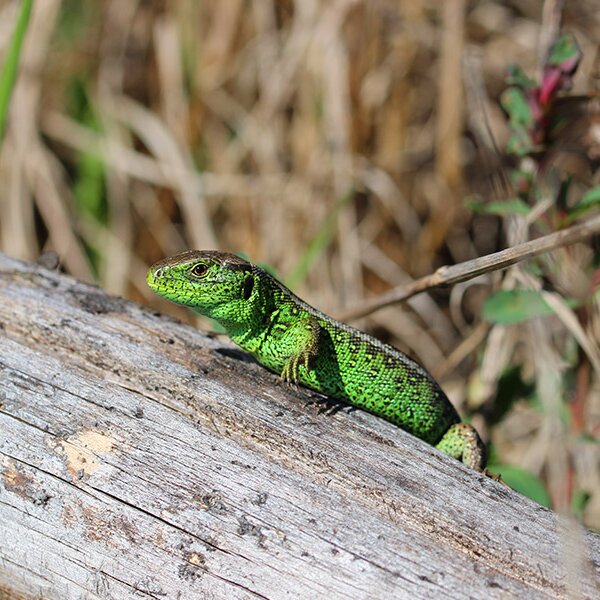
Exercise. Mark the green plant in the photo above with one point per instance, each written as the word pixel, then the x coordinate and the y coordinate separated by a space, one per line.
pixel 8 76
pixel 548 196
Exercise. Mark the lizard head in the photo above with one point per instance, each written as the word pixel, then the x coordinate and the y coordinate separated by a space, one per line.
pixel 215 284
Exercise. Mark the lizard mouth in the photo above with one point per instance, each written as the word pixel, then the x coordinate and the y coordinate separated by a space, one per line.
pixel 153 277
pixel 158 279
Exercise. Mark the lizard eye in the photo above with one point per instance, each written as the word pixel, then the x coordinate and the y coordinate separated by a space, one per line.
pixel 199 270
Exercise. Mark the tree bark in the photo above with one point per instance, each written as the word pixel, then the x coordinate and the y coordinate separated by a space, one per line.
pixel 140 458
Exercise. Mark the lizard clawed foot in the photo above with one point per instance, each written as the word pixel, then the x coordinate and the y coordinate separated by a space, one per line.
pixel 289 373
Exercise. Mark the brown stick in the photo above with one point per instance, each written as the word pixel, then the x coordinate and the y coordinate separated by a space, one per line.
pixel 448 275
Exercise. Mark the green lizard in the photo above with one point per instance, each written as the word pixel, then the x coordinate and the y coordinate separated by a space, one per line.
pixel 304 345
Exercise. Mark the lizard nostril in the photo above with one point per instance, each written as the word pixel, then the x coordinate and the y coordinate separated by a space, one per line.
pixel 158 273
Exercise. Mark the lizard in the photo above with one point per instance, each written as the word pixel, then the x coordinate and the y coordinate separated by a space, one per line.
pixel 305 346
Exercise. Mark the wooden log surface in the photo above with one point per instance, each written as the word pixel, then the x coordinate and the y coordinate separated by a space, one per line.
pixel 141 459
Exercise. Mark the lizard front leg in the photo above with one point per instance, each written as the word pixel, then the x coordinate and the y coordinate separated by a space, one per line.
pixel 298 345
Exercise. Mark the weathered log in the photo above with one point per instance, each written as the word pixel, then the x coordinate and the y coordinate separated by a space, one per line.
pixel 140 458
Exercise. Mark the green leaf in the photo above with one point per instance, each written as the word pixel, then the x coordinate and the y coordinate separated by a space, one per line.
pixel 523 482
pixel 515 76
pixel 514 306
pixel 515 103
pixel 507 307
pixel 564 52
pixel 591 197
pixel 589 201
pixel 513 206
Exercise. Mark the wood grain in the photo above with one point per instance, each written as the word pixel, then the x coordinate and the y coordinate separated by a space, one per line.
pixel 141 459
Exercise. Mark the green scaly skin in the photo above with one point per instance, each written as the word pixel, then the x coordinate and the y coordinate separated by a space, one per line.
pixel 306 346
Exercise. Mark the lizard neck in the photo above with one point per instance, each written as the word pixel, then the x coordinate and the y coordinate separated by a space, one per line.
pixel 246 319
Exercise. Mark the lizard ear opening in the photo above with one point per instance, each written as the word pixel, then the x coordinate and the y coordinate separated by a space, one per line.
pixel 248 287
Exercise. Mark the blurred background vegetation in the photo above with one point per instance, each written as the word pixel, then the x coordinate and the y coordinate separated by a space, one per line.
pixel 336 141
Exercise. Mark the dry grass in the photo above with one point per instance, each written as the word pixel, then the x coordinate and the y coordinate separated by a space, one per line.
pixel 333 140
